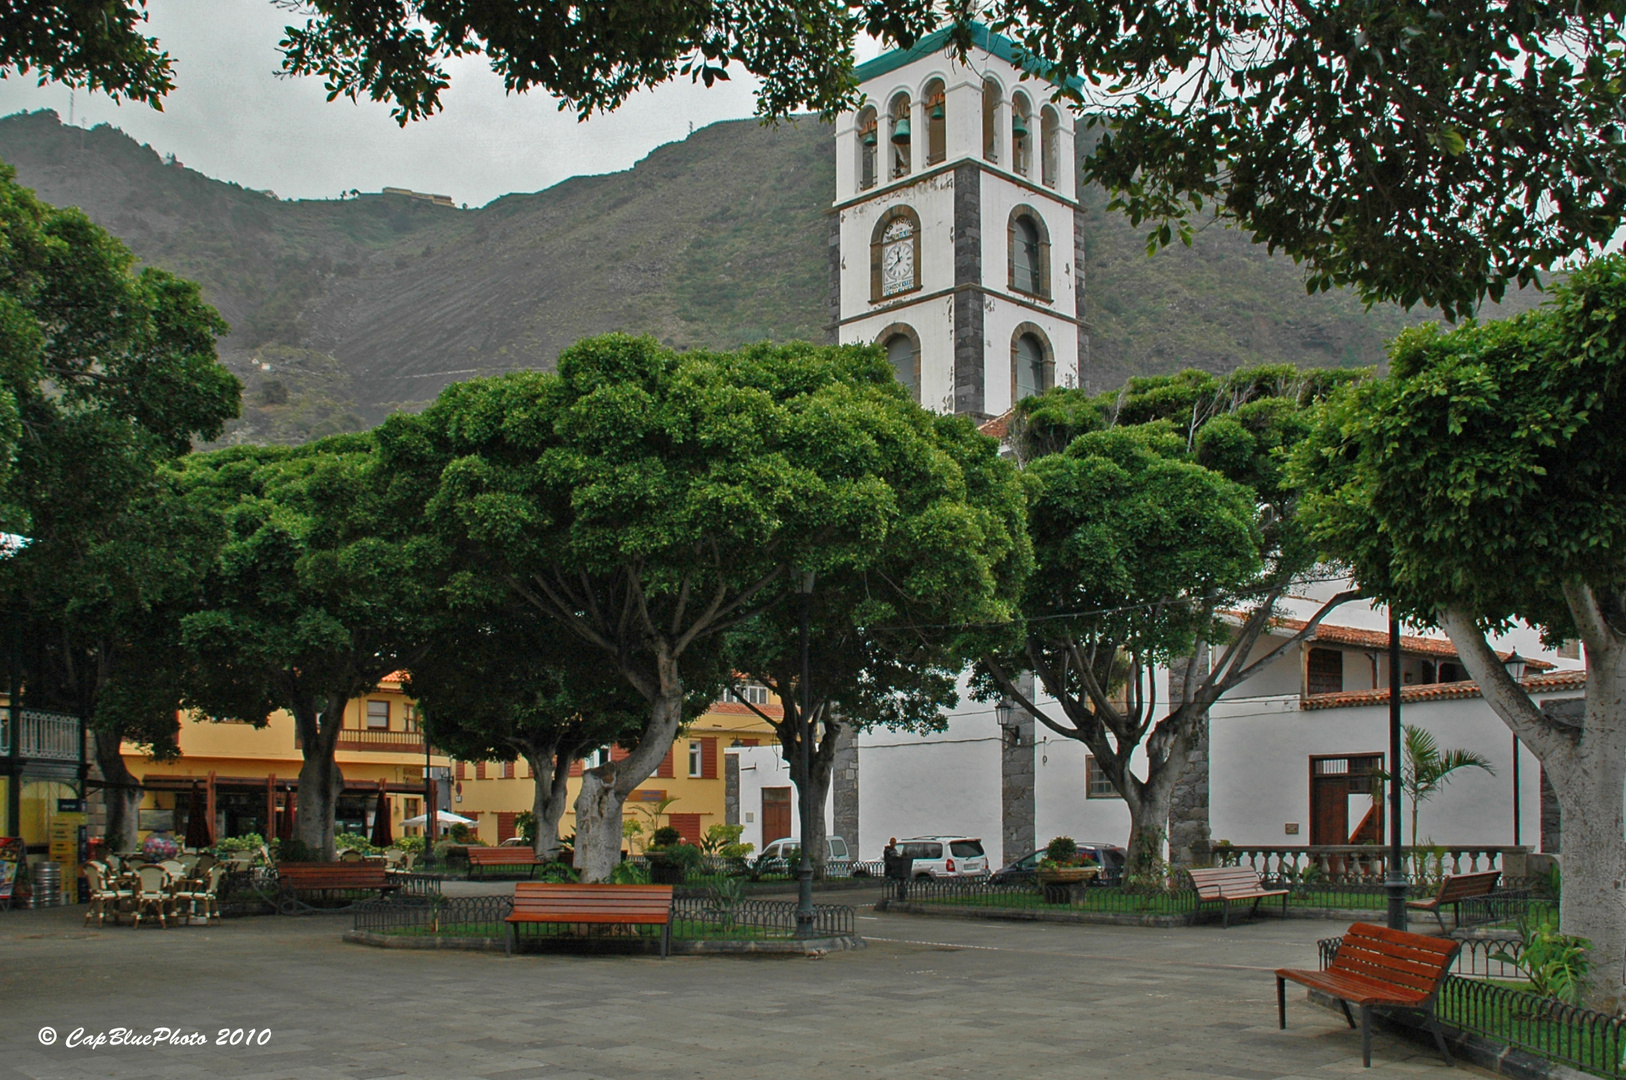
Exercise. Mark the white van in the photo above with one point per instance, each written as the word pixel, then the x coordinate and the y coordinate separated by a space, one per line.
pixel 944 856
pixel 783 856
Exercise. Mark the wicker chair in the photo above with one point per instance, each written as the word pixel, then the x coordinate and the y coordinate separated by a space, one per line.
pixel 201 895
pixel 152 893
pixel 107 897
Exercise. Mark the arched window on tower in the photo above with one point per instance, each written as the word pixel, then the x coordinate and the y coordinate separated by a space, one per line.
pixel 1029 253
pixel 868 148
pixel 990 120
pixel 894 259
pixel 1049 145
pixel 1032 363
pixel 899 136
pixel 1021 134
pixel 936 122
pixel 903 353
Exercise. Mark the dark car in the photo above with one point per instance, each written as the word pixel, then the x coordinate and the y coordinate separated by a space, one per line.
pixel 1109 857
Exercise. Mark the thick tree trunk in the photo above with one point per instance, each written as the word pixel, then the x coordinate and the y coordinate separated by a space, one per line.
pixel 1148 821
pixel 122 794
pixel 1582 748
pixel 550 799
pixel 604 791
pixel 320 780
pixel 824 755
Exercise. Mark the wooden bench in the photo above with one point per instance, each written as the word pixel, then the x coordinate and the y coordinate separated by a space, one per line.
pixel 1454 890
pixel 589 905
pixel 1223 884
pixel 482 859
pixel 1379 968
pixel 296 882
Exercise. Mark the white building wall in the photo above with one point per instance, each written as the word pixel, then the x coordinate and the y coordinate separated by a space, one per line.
pixel 1260 751
pixel 764 767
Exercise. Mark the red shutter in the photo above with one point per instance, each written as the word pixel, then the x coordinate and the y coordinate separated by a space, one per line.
pixel 687 825
pixel 750 742
pixel 666 764
pixel 578 767
pixel 462 770
pixel 708 759
pixel 619 754
pixel 505 825
pixel 479 770
pixel 508 770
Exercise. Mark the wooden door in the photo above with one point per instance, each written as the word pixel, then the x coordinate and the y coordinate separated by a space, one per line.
pixel 1333 782
pixel 775 814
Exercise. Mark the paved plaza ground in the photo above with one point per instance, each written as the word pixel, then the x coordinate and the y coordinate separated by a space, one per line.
pixel 930 997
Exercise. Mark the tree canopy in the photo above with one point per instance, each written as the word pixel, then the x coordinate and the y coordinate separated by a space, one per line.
pixel 106 374
pixel 1481 483
pixel 1431 153
pixel 1162 522
pixel 317 593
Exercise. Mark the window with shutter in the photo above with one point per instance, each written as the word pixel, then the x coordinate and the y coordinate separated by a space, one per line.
pixel 1324 671
pixel 687 825
pixel 506 829
pixel 665 769
pixel 479 770
pixel 708 759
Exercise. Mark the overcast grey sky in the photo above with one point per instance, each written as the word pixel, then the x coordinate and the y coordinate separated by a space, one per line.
pixel 232 118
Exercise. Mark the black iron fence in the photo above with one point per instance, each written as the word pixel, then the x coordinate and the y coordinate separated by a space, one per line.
pixel 693 918
pixel 981 892
pixel 1472 1001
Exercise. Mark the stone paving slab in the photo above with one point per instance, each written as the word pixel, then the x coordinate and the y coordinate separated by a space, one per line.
pixel 935 998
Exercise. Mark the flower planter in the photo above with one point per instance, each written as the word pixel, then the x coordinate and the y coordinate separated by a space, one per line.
pixel 1060 883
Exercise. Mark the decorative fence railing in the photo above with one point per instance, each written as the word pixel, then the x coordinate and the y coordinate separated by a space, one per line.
pixel 1592 1041
pixel 1353 897
pixel 46 736
pixel 692 917
pixel 1361 863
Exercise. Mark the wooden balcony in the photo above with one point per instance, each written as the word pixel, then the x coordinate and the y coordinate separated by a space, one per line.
pixel 375 741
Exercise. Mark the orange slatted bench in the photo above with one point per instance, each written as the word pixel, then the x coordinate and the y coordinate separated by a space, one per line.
pixel 1379 968
pixel 484 858
pixel 297 880
pixel 1223 884
pixel 1454 890
pixel 601 905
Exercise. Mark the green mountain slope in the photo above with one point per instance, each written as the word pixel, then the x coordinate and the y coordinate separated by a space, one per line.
pixel 344 309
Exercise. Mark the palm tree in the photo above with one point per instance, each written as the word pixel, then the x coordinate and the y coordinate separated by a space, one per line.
pixel 1427 769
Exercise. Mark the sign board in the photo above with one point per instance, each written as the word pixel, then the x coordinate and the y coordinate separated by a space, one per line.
pixel 11 865
pixel 70 806
pixel 647 795
pixel 64 845
pixel 156 821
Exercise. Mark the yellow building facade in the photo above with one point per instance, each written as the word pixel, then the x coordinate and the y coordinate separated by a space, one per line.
pixel 246 779
pixel 687 792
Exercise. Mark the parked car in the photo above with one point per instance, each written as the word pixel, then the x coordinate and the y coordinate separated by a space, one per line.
pixel 784 855
pixel 944 856
pixel 1109 857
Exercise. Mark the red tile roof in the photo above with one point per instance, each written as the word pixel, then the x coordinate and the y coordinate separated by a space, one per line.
pixel 1379 640
pixel 1536 684
pixel 999 426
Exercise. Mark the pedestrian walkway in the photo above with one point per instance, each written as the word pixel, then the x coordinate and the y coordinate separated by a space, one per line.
pixel 929 998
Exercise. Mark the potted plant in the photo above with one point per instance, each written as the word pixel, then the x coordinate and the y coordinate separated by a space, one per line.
pixel 670 857
pixel 1061 870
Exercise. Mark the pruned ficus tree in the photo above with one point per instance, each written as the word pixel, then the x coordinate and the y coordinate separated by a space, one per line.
pixel 649 502
pixel 1482 483
pixel 886 640
pixel 1431 153
pixel 1165 533
pixel 317 593
pixel 107 373
pixel 501 680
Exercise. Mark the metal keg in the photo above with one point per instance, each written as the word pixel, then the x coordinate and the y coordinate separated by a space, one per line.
pixel 47 885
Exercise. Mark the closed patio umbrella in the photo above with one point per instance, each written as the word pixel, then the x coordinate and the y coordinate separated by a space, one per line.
pixel 285 820
pixel 197 821
pixel 381 822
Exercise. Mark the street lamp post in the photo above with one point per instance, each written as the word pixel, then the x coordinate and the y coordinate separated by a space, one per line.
pixel 1395 880
pixel 804 736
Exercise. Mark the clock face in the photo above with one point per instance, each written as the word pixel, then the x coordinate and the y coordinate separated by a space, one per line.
pixel 898 266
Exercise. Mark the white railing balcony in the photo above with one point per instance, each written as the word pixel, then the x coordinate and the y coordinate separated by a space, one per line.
pixel 46 736
pixel 1362 863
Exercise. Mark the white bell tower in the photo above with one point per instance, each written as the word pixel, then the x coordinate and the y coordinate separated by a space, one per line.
pixel 955 242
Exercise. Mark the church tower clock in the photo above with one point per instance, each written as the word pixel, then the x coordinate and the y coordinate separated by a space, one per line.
pixel 955 246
